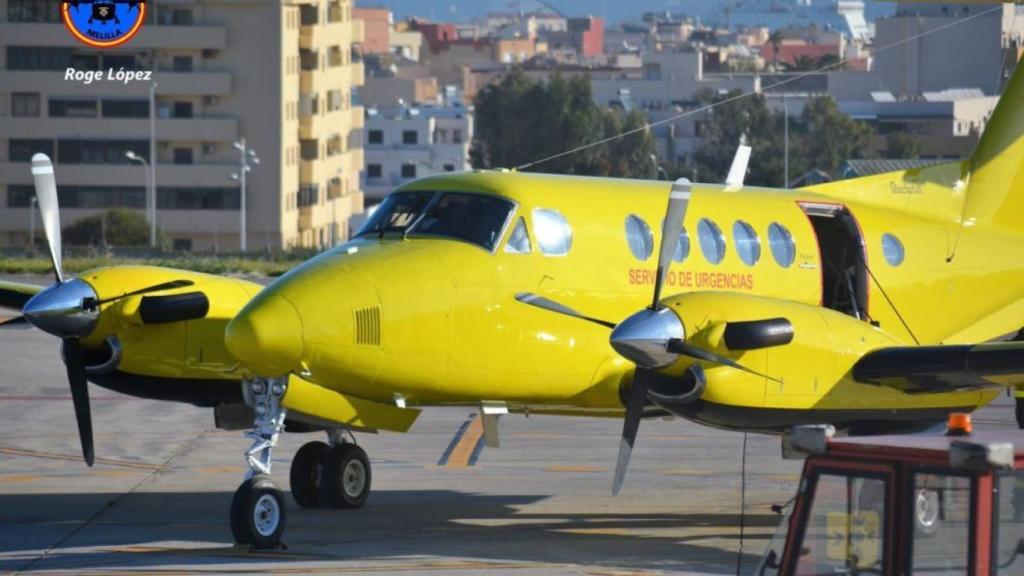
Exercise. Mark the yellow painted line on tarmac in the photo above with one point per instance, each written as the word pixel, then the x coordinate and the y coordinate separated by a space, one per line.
pixel 575 468
pixel 465 443
pixel 51 456
pixel 19 478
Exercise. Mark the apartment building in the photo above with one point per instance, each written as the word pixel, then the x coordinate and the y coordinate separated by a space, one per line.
pixel 405 143
pixel 277 73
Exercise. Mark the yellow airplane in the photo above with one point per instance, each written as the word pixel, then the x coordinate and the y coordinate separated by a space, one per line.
pixel 881 303
pixel 159 333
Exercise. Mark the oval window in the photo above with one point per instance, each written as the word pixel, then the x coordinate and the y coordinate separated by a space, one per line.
pixel 682 246
pixel 781 243
pixel 712 243
pixel 892 248
pixel 639 237
pixel 748 245
pixel 552 231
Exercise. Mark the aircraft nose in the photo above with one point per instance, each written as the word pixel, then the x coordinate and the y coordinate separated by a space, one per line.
pixel 266 336
pixel 63 309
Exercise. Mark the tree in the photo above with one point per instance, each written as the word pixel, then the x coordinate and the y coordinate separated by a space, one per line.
pixel 825 137
pixel 735 118
pixel 520 120
pixel 775 39
pixel 900 145
pixel 117 227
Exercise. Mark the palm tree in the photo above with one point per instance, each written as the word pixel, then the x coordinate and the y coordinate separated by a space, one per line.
pixel 775 39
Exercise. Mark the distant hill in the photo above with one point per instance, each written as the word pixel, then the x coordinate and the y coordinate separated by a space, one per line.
pixel 612 10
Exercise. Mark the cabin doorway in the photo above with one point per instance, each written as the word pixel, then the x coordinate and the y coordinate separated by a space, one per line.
pixel 844 281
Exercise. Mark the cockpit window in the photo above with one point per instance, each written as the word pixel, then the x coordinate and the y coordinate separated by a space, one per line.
pixel 519 241
pixel 476 218
pixel 396 213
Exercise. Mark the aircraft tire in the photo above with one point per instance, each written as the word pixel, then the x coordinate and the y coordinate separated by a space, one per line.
pixel 258 513
pixel 346 480
pixel 306 473
pixel 927 512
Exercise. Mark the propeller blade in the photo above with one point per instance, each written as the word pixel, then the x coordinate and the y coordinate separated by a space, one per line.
pixel 677 346
pixel 74 360
pixel 678 200
pixel 155 288
pixel 49 209
pixel 552 306
pixel 631 425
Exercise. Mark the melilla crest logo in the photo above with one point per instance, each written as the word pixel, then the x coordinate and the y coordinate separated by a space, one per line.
pixel 103 23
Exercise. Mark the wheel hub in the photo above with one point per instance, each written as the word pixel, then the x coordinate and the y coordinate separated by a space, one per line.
pixel 353 478
pixel 266 515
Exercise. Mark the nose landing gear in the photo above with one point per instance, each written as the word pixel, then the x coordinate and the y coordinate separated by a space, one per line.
pixel 258 510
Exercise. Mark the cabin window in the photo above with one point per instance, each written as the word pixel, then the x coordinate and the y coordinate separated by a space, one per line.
pixel 892 248
pixel 682 246
pixel 476 218
pixel 942 524
pixel 519 240
pixel 396 213
pixel 639 237
pixel 712 242
pixel 845 531
pixel 748 245
pixel 554 235
pixel 780 241
pixel 1008 523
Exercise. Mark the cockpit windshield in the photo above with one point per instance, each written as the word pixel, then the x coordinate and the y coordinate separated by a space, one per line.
pixel 475 218
pixel 396 213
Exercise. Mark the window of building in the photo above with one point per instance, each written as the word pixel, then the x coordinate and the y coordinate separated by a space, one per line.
pixel 41 58
pixel 118 61
pixel 33 10
pixel 25 104
pixel 99 151
pixel 71 196
pixel 519 240
pixel 711 240
pixel 182 245
pixel 456 136
pixel 22 150
pixel 20 195
pixel 440 136
pixel 182 64
pixel 309 149
pixel 73 107
pixel 410 137
pixel 780 241
pixel 198 198
pixel 376 137
pixel 182 155
pixel 182 109
pixel 942 520
pixel 554 235
pixel 748 245
pixel 449 167
pixel 639 237
pixel 309 195
pixel 118 108
pixel 892 248
pixel 374 171
pixel 408 170
pixel 682 250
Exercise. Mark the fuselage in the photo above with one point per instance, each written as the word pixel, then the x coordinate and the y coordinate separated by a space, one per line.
pixel 428 313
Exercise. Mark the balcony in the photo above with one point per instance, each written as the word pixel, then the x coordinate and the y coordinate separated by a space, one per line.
pixel 306 218
pixel 174 129
pixel 124 174
pixel 150 36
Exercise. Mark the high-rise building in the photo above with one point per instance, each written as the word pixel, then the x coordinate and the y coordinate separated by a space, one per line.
pixel 278 73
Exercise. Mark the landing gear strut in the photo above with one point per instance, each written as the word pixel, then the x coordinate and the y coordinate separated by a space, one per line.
pixel 336 475
pixel 258 511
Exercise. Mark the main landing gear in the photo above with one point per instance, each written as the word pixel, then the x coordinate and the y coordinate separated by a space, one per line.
pixel 335 475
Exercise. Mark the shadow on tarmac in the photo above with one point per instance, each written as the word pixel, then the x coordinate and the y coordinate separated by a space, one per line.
pixel 416 528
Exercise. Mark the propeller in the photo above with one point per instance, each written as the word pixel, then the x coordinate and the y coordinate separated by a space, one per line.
pixel 70 308
pixel 652 338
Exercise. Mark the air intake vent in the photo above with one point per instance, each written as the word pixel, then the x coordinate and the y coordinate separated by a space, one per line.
pixel 367 321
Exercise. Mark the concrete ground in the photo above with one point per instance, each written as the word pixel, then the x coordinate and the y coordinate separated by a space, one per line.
pixel 157 499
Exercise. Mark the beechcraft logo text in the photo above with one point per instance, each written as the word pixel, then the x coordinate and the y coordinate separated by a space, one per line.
pixel 103 23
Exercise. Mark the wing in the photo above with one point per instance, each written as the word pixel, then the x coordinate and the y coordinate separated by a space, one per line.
pixel 15 294
pixel 921 369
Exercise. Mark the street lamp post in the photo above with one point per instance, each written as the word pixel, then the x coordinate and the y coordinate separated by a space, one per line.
pixel 152 164
pixel 32 224
pixel 246 160
pixel 150 194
